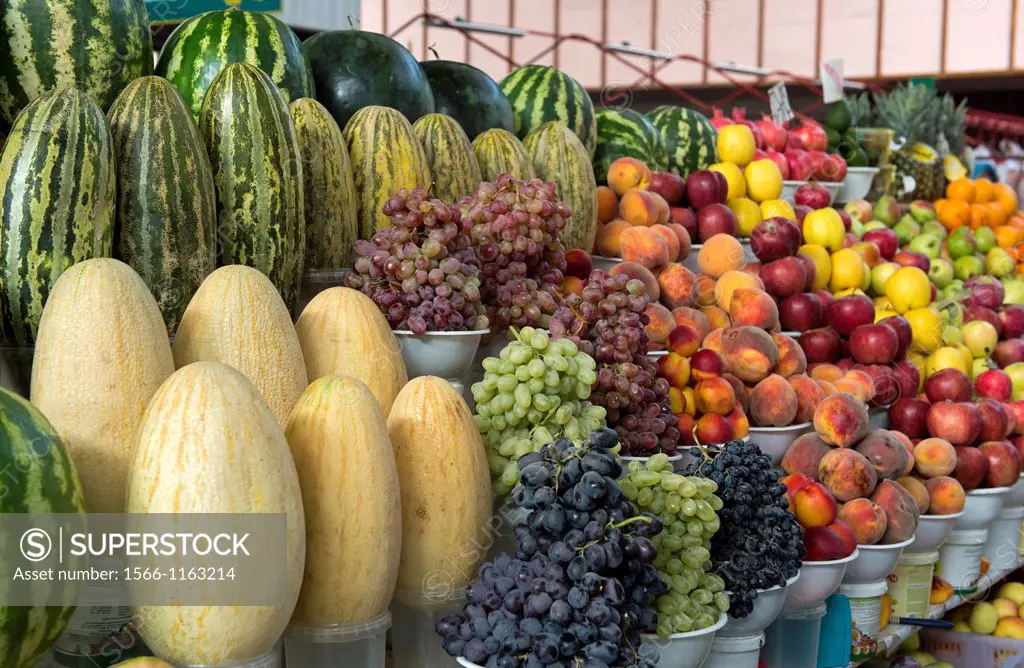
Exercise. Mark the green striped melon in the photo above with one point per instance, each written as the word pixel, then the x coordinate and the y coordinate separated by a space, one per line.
pixel 330 197
pixel 167 203
pixel 500 152
pixel 202 46
pixel 209 444
pixel 539 94
pixel 623 133
pixel 559 157
pixel 386 157
pixel 689 138
pixel 251 141
pixel 57 201
pixel 449 156
pixel 101 354
pixel 98 47
pixel 44 481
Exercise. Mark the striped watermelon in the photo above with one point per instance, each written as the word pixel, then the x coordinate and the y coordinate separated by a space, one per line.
pixel 449 156
pixel 386 157
pixel 199 48
pixel 251 140
pixel 57 201
pixel 331 207
pixel 499 152
pixel 469 96
pixel 45 481
pixel 689 138
pixel 167 203
pixel 624 133
pixel 539 94
pixel 559 157
pixel 99 47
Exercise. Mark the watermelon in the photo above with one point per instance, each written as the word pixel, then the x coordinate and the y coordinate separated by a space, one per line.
pixel 44 481
pixel 167 203
pixel 449 157
pixel 257 170
pixel 539 94
pixel 386 157
pixel 499 152
pixel 58 195
pixel 559 157
pixel 625 133
pixel 469 96
pixel 355 69
pixel 202 46
pixel 689 138
pixel 98 47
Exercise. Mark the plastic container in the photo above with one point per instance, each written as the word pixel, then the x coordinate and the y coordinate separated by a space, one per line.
pixel 686 650
pixel 878 417
pixel 866 616
pixel 748 252
pixel 674 460
pixel 734 652
pixel 362 645
pixel 970 649
pixel 857 184
pixel 316 281
pixel 818 580
pixel 1015 497
pixel 605 264
pixel 960 560
pixel 774 441
pixel 446 355
pixel 792 640
pixel 932 532
pixel 414 643
pixel 767 606
pixel 874 562
pixel 910 584
pixel 271 659
pixel 1003 541
pixel 16 369
pixel 656 354
pixel 982 508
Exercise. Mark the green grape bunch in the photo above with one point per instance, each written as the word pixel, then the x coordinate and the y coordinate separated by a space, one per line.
pixel 688 510
pixel 533 393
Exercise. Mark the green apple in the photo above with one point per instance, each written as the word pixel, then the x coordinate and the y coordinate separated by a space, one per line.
pixel 906 230
pixel 979 367
pixel 927 244
pixel 954 290
pixel 874 225
pixel 887 210
pixel 857 228
pixel 968 267
pixel 999 262
pixel 1013 291
pixel 880 273
pixel 934 227
pixel 1016 373
pixel 922 211
pixel 985 238
pixel 941 272
pixel 961 243
pixel 980 337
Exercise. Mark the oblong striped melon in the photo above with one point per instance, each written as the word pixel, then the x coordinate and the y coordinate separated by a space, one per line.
pixel 210 444
pixel 101 354
pixel 238 318
pixel 449 157
pixel 339 440
pixel 500 152
pixel 539 94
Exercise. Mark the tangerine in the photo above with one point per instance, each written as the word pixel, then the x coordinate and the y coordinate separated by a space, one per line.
pixel 954 213
pixel 1006 197
pixel 1007 236
pixel 980 216
pixel 983 190
pixel 962 189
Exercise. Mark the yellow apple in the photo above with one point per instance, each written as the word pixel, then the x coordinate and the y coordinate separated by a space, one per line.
pixel 946 357
pixel 1013 591
pixel 1010 627
pixel 1005 607
pixel 980 337
pixel 984 619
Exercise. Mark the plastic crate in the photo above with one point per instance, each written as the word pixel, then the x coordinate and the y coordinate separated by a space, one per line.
pixel 969 649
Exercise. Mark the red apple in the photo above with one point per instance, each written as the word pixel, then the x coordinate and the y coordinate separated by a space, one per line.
pixel 984 291
pixel 801 211
pixel 820 345
pixel 948 385
pixel 578 263
pixel 886 240
pixel 909 258
pixel 670 186
pixel 971 467
pixel 825 297
pixel 800 165
pixel 847 220
pixel 874 344
pixel 848 313
pixel 901 326
pixel 995 384
pixel 716 219
pixel 812 195
pixel 910 416
pixel 887 390
pixel 704 189
pixel 1016 411
pixel 995 422
pixel 772 239
pixel 784 277
pixel 1008 352
pixel 907 377
pixel 684 215
pixel 1004 463
pixel 959 423
pixel 1012 318
pixel 810 271
pixel 799 313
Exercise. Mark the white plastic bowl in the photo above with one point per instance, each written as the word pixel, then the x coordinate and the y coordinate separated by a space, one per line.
pixel 686 650
pixel 748 252
pixel 857 184
pixel 932 532
pixel 833 189
pixel 656 354
pixel 878 417
pixel 674 459
pixel 792 335
pixel 767 606
pixel 874 562
pixel 1015 497
pixel 818 580
pixel 774 441
pixel 982 508
pixel 446 355
pixel 605 264
pixel 690 261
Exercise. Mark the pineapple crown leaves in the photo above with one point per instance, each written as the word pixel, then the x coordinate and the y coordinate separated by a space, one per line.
pixel 920 114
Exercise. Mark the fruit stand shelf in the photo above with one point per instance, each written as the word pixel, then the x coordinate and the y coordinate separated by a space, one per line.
pixel 893 635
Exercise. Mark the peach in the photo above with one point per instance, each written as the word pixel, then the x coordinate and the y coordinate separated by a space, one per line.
pixel 661 325
pixel 814 506
pixel 825 371
pixel 607 204
pixel 704 291
pixel 792 359
pixel 677 284
pixel 676 400
pixel 885 452
pixel 900 512
pixel 828 388
pixel 641 273
pixel 682 339
pixel 851 386
pixel 714 395
pixel 847 534
pixel 639 208
pixel 934 457
pixel 847 474
pixel 608 242
pixel 742 391
pixel 863 379
pixel 671 240
pixel 804 455
pixel 750 306
pixel 676 370
pixel 841 420
pixel 738 419
pixel 719 254
pixel 749 353
pixel 718 317
pixel 627 173
pixel 794 482
pixel 687 426
pixel 685 315
pixel 946 494
pixel 713 341
pixel 829 543
pixel 728 283
pixel 808 395
pixel 683 237
pixel 712 429
pixel 917 490
pixel 644 247
pixel 866 518
pixel 706 364
pixel 572 286
pixel 773 402
pixel 909 445
pixel 689 402
pixel 664 210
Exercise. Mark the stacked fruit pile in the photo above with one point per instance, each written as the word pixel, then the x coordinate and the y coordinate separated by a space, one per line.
pixel 1002 617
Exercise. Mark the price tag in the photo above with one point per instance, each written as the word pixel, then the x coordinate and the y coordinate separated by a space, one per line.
pixel 832 80
pixel 778 99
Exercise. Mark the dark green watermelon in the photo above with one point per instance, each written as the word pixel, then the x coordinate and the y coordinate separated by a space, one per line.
pixel 469 96
pixel 689 138
pixel 624 133
pixel 353 69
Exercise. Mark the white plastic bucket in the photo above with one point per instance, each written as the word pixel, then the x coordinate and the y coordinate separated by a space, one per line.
pixel 792 640
pixel 361 645
pixel 1003 542
pixel 739 652
pixel 910 584
pixel 960 560
pixel 866 617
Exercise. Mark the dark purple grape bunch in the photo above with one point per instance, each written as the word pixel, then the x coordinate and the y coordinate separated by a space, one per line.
pixel 576 592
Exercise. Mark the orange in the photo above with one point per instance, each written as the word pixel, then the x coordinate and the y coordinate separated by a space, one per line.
pixel 980 216
pixel 1006 197
pixel 983 190
pixel 1007 236
pixel 954 213
pixel 961 189
pixel 996 213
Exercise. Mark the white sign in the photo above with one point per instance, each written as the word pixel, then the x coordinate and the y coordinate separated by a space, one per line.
pixel 778 99
pixel 832 80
